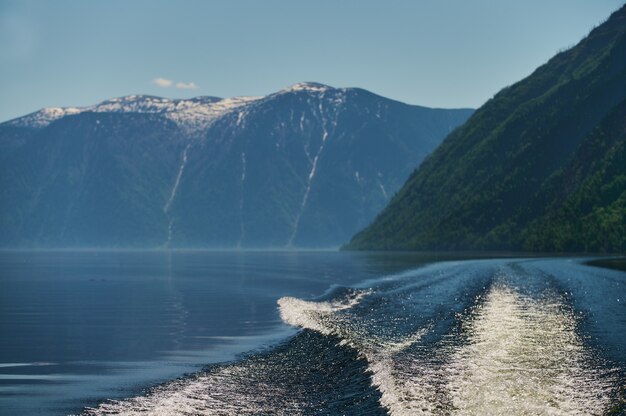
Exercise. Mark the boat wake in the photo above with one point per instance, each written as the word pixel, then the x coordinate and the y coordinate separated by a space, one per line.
pixel 467 338
pixel 510 354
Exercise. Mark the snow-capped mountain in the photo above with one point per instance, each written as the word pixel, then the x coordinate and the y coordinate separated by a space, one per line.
pixel 192 114
pixel 306 166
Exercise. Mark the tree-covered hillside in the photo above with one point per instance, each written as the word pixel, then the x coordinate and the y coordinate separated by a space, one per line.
pixel 540 166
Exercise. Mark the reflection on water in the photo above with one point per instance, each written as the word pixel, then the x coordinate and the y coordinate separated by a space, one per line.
pixel 79 327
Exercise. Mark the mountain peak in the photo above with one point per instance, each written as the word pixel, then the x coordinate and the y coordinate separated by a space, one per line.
pixel 248 172
pixel 308 86
pixel 137 97
pixel 193 113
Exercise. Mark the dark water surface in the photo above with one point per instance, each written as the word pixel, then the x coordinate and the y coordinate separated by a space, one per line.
pixel 80 327
pixel 331 333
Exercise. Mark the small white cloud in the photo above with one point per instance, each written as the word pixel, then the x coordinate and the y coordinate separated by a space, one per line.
pixel 186 85
pixel 163 82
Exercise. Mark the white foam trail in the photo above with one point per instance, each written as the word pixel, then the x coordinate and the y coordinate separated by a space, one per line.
pixel 396 397
pixel 511 354
pixel 521 357
pixel 235 389
pixel 378 350
pixel 524 357
pixel 317 316
pixel 225 392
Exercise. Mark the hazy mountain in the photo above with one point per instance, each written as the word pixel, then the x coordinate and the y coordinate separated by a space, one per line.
pixel 541 166
pixel 307 166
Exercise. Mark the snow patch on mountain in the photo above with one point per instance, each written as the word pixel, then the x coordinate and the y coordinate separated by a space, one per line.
pixel 193 114
pixel 307 86
pixel 44 117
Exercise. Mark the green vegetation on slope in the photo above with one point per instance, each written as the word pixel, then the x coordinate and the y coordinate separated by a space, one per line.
pixel 538 167
pixel 587 211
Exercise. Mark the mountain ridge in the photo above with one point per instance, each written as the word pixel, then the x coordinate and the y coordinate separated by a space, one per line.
pixel 482 186
pixel 250 173
pixel 146 103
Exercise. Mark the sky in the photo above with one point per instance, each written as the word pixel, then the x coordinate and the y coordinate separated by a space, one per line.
pixel 436 53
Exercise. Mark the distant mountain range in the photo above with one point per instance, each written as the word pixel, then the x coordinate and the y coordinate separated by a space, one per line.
pixel 541 166
pixel 307 166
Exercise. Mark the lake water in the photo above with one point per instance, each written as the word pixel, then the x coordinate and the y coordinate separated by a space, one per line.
pixel 322 333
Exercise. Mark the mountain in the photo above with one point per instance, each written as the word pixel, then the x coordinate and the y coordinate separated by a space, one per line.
pixel 304 167
pixel 540 166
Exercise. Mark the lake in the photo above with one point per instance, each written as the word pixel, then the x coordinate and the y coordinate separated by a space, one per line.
pixel 198 332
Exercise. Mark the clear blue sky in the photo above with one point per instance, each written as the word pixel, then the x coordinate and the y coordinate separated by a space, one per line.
pixel 440 53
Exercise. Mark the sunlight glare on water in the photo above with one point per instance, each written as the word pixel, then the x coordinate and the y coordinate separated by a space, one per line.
pixel 524 357
pixel 458 338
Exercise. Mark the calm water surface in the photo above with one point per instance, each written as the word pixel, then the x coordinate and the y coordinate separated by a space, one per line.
pixel 322 332
pixel 80 327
